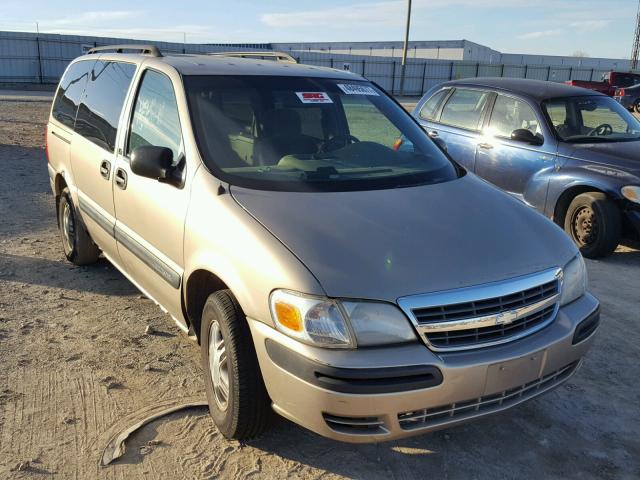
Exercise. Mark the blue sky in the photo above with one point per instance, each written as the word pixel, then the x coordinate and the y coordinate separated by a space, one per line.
pixel 601 28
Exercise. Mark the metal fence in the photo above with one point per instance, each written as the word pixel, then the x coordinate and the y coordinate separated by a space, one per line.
pixel 420 76
pixel 41 59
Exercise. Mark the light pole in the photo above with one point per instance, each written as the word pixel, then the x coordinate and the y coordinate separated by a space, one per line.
pixel 404 48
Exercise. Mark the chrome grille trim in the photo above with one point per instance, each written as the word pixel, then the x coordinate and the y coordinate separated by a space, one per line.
pixel 486 311
pixel 430 417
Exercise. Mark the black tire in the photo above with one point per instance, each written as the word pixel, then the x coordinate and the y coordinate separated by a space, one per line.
pixel 76 242
pixel 594 224
pixel 636 106
pixel 248 408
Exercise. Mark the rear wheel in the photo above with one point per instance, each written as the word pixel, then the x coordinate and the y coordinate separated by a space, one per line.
pixel 76 242
pixel 238 400
pixel 636 106
pixel 593 222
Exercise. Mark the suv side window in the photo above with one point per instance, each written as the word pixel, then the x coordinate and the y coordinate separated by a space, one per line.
pixel 155 119
pixel 429 109
pixel 65 105
pixel 510 114
pixel 464 108
pixel 99 112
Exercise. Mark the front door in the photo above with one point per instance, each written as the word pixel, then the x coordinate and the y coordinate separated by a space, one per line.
pixel 150 215
pixel 515 166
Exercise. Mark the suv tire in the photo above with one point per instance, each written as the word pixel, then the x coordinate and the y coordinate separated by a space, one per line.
pixel 593 222
pixel 76 242
pixel 238 400
pixel 636 106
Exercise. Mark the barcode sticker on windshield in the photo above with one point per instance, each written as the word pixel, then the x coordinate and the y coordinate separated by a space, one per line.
pixel 313 97
pixel 353 89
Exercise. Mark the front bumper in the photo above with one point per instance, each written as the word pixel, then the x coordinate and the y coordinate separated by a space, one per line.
pixel 380 394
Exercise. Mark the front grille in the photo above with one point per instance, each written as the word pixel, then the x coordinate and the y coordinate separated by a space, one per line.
pixel 475 336
pixel 430 417
pixel 490 306
pixel 488 314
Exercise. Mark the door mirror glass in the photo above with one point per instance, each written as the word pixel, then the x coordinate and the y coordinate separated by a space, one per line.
pixel 526 136
pixel 152 162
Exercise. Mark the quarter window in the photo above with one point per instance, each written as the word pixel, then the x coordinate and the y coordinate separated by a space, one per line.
pixel 511 114
pixel 65 105
pixel 155 118
pixel 99 112
pixel 464 109
pixel 429 109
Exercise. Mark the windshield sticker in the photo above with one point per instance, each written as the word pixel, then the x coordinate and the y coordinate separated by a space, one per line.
pixel 313 97
pixel 353 89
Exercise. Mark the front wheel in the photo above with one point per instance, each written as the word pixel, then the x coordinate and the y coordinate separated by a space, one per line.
pixel 593 222
pixel 238 400
pixel 78 246
pixel 636 106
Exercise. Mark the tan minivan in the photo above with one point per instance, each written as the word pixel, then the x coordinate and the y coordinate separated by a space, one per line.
pixel 364 291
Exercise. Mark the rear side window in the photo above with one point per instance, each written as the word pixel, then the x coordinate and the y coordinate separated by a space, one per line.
pixel 511 114
pixel 464 109
pixel 429 109
pixel 65 105
pixel 102 102
pixel 155 118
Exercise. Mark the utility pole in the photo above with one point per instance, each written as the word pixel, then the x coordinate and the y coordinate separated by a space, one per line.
pixel 404 49
pixel 636 42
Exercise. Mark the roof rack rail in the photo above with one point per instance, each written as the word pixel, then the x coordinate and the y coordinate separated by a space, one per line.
pixel 258 55
pixel 143 49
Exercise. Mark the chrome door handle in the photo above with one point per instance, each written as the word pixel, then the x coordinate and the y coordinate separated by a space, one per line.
pixel 121 178
pixel 433 134
pixel 105 169
pixel 486 146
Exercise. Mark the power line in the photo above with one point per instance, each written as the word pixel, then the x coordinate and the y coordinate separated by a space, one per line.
pixel 636 42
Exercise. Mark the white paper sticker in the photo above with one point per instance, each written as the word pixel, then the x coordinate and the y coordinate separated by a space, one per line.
pixel 313 97
pixel 355 89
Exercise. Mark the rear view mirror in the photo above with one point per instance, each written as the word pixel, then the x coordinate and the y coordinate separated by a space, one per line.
pixel 525 136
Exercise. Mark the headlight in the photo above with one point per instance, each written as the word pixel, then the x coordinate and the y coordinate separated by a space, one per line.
pixel 333 323
pixel 632 193
pixel 574 280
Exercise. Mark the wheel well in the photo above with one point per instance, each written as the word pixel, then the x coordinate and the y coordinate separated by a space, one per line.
pixel 562 205
pixel 59 184
pixel 199 286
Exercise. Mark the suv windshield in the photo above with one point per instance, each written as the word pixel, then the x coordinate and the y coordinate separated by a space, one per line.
pixel 591 119
pixel 306 134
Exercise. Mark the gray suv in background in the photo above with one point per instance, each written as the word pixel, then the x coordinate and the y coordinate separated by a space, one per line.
pixel 363 292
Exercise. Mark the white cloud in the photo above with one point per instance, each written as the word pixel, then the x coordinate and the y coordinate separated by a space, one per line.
pixel 585 26
pixel 540 34
pixel 93 17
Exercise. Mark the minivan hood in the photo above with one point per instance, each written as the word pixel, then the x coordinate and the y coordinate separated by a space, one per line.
pixel 385 244
pixel 619 155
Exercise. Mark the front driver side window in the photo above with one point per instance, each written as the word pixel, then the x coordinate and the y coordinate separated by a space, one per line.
pixel 155 118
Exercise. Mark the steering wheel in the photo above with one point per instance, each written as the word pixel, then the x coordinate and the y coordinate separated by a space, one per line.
pixel 601 130
pixel 337 142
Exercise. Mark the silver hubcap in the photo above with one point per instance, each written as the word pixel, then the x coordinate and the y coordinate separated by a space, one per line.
pixel 218 366
pixel 67 227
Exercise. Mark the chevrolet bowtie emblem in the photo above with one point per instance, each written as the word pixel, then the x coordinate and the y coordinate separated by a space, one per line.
pixel 504 318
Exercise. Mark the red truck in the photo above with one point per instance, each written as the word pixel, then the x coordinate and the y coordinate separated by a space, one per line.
pixel 610 82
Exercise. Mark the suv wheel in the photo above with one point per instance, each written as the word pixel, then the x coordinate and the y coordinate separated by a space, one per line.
pixel 636 106
pixel 78 246
pixel 593 222
pixel 238 400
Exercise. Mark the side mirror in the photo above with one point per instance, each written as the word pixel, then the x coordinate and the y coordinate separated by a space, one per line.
pixel 151 162
pixel 525 136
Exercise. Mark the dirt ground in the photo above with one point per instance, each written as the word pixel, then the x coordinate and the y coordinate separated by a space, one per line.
pixel 75 363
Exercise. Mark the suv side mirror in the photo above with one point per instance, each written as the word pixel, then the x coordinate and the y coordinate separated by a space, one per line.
pixel 157 163
pixel 525 136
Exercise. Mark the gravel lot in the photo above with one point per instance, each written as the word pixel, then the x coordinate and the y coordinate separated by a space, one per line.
pixel 75 362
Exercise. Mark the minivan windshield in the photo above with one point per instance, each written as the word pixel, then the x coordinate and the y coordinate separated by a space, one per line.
pixel 591 119
pixel 309 134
